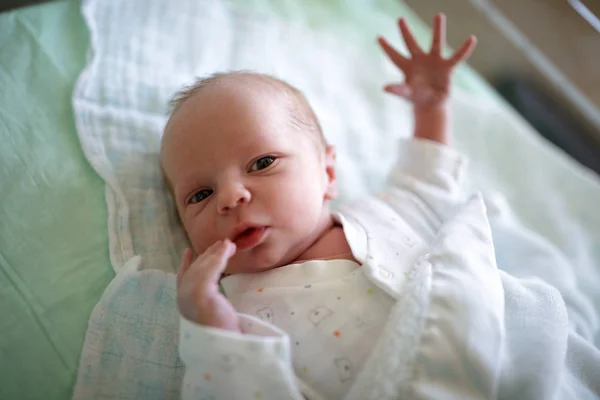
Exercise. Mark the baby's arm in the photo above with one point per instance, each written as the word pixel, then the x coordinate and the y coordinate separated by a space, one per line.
pixel 427 79
pixel 226 354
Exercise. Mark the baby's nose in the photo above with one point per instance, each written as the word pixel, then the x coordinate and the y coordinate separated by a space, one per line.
pixel 233 198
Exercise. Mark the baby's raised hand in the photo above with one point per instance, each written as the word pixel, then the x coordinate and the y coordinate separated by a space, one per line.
pixel 198 296
pixel 427 75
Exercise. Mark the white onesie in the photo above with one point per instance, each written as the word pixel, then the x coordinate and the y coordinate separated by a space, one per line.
pixel 330 310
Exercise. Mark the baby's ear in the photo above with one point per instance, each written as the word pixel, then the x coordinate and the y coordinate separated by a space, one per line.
pixel 331 188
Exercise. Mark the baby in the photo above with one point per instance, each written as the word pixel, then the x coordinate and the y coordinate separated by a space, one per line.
pixel 396 295
pixel 252 176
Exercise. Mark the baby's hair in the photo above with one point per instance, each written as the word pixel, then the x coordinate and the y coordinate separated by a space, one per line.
pixel 303 116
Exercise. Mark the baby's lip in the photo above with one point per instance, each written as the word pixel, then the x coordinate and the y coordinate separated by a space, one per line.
pixel 250 238
pixel 240 229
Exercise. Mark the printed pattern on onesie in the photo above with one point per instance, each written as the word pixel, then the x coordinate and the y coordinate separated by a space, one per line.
pixel 331 312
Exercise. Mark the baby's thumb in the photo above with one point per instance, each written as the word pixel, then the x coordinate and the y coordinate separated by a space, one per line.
pixel 400 89
pixel 186 260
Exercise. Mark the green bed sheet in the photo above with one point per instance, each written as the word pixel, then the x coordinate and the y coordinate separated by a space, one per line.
pixel 54 262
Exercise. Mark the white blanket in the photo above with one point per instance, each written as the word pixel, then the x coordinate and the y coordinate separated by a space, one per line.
pixel 143 50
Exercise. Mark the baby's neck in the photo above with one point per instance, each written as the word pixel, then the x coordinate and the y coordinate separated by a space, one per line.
pixel 332 242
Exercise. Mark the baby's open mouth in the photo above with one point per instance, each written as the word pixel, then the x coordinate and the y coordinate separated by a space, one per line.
pixel 247 232
pixel 249 237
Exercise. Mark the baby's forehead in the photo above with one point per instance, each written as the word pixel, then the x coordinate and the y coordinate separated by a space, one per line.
pixel 226 98
pixel 232 108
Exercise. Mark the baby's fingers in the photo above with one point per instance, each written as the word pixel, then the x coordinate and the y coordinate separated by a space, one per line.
pixel 393 55
pixel 439 34
pixel 187 259
pixel 215 263
pixel 207 268
pixel 464 51
pixel 409 39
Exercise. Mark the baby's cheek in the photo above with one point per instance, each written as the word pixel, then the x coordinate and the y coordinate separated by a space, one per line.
pixel 305 204
pixel 200 235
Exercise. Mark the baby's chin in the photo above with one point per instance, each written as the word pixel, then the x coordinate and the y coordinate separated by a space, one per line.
pixel 253 263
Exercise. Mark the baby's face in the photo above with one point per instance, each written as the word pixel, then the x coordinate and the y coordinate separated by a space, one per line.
pixel 235 161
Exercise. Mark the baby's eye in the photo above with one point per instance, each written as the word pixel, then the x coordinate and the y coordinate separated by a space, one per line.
pixel 199 196
pixel 262 163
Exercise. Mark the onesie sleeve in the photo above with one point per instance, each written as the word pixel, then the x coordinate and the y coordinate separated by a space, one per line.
pixel 431 171
pixel 222 364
